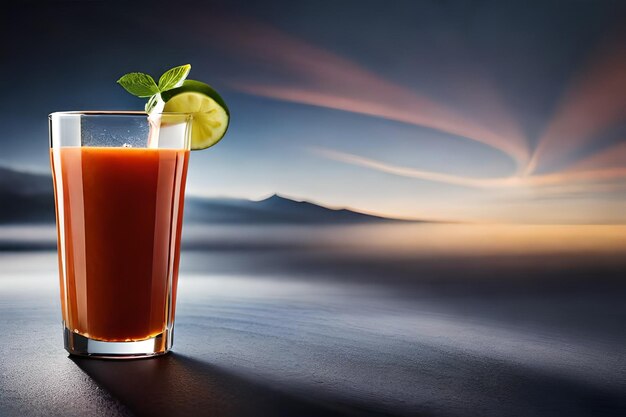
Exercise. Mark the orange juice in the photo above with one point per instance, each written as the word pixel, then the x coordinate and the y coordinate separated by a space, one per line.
pixel 119 220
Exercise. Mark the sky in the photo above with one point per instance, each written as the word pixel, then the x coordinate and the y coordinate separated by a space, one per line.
pixel 480 111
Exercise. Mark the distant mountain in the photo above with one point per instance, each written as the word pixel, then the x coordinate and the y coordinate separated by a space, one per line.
pixel 272 210
pixel 28 198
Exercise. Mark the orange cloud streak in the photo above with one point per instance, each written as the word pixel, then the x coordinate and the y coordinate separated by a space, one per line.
pixel 314 76
pixel 595 100
pixel 576 177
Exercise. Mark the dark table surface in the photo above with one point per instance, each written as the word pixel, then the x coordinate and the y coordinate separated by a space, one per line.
pixel 254 337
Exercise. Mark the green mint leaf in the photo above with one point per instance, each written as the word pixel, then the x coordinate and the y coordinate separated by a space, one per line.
pixel 174 77
pixel 139 84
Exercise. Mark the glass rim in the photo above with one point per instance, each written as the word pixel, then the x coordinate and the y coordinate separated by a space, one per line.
pixel 74 122
pixel 75 113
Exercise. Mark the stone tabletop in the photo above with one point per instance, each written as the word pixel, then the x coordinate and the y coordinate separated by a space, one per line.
pixel 252 339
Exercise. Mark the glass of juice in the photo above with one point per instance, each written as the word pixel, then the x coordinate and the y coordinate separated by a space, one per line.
pixel 119 181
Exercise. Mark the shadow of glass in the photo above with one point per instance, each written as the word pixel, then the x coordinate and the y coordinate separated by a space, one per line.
pixel 176 385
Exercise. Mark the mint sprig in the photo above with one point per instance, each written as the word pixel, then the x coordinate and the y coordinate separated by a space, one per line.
pixel 143 85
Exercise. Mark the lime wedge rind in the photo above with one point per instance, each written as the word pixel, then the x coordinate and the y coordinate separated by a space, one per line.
pixel 210 114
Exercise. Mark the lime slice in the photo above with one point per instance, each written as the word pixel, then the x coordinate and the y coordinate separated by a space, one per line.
pixel 210 114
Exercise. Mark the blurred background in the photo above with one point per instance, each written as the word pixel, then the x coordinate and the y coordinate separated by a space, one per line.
pixel 447 175
pixel 455 111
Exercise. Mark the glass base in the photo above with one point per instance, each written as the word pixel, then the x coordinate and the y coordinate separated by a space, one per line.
pixel 77 344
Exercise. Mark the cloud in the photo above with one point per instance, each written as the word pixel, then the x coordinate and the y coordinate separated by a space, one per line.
pixel 401 171
pixel 594 101
pixel 611 157
pixel 587 178
pixel 299 72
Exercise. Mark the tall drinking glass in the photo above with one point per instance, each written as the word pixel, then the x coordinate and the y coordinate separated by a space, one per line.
pixel 119 181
